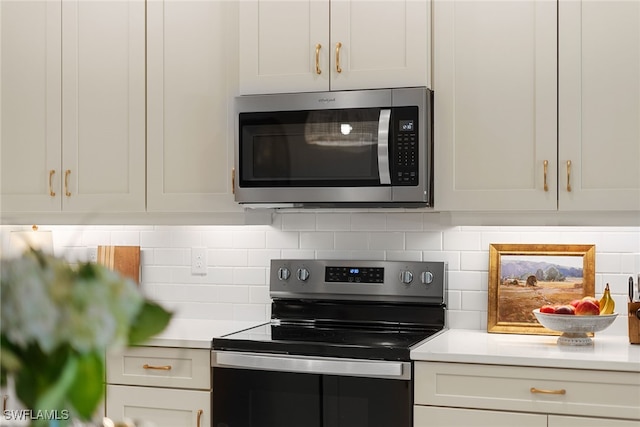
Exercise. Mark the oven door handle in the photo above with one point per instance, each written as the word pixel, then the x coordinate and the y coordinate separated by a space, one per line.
pixel 384 171
pixel 309 365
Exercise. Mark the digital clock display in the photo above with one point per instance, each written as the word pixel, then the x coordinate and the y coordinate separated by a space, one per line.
pixel 354 275
pixel 406 126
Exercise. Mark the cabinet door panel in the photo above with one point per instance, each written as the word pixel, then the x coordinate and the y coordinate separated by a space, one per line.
pixel 31 96
pixel 384 44
pixel 495 105
pixel 599 105
pixel 103 104
pixel 189 119
pixel 278 46
pixel 561 421
pixel 427 416
pixel 162 407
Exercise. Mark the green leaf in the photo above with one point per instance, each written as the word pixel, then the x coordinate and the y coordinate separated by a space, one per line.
pixel 87 389
pixel 150 321
pixel 54 397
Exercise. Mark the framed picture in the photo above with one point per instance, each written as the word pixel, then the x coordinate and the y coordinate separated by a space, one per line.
pixel 523 277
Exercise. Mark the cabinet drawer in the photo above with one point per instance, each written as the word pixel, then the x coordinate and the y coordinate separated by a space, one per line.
pixel 159 407
pixel 161 367
pixel 586 393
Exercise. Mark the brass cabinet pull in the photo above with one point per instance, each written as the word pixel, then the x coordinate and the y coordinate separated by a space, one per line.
pixel 51 192
pixel 4 402
pixel 157 368
pixel 318 47
pixel 199 416
pixel 338 46
pixel 542 391
pixel 66 183
pixel 546 167
pixel 569 175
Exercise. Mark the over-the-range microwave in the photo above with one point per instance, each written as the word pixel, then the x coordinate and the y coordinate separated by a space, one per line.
pixel 367 148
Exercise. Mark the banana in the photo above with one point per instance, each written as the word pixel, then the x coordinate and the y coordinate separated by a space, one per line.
pixel 607 304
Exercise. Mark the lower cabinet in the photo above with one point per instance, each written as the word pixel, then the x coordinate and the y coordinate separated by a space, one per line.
pixel 460 395
pixel 162 386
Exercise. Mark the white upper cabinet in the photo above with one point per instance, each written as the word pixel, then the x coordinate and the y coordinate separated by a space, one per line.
pixel 321 45
pixel 498 86
pixel 495 125
pixel 73 131
pixel 599 105
pixel 191 79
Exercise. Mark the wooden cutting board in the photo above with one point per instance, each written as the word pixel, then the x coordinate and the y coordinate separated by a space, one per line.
pixel 123 259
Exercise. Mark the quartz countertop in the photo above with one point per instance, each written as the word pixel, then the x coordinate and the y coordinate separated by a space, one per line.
pixel 197 333
pixel 612 353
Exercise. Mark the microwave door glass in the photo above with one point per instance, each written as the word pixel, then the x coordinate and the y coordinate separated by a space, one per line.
pixel 322 148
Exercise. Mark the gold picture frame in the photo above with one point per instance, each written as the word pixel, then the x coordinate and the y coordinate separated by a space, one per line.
pixel 523 277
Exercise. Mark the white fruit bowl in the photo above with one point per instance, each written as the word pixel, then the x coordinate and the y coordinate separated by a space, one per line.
pixel 574 328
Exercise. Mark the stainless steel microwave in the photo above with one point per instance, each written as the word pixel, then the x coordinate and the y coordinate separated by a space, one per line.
pixel 371 148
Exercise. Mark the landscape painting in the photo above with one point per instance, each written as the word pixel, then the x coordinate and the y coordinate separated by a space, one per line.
pixel 525 277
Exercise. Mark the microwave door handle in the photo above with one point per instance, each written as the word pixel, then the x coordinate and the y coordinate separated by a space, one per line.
pixel 383 146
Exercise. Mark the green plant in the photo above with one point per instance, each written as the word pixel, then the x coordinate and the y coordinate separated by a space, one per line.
pixel 57 321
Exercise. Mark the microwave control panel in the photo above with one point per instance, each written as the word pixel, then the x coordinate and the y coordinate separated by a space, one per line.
pixel 405 146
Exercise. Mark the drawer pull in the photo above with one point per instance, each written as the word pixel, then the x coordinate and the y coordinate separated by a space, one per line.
pixel 157 368
pixel 4 402
pixel 198 417
pixel 542 391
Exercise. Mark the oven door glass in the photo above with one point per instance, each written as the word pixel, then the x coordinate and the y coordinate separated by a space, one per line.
pixel 319 148
pixel 255 398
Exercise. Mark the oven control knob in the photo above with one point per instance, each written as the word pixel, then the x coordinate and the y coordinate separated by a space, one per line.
pixel 427 277
pixel 406 277
pixel 303 274
pixel 283 273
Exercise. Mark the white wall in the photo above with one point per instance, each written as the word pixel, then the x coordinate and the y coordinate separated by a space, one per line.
pixel 236 284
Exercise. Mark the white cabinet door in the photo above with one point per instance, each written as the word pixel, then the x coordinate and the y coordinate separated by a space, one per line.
pixel 73 106
pixel 284 46
pixel 494 82
pixel 563 421
pixel 103 88
pixel 320 45
pixel 382 44
pixel 427 416
pixel 103 104
pixel 162 407
pixel 30 142
pixel 191 81
pixel 599 105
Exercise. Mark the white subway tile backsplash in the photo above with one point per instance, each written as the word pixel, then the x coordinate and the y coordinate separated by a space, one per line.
pixel 235 286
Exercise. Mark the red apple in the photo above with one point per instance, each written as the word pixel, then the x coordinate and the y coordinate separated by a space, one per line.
pixel 575 302
pixel 549 309
pixel 587 307
pixel 592 299
pixel 565 309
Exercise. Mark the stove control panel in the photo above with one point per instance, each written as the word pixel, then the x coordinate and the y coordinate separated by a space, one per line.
pixel 359 280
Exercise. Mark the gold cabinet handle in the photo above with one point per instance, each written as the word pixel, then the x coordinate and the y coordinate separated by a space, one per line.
pixel 338 46
pixel 51 192
pixel 546 167
pixel 66 183
pixel 157 368
pixel 569 175
pixel 198 417
pixel 4 402
pixel 318 47
pixel 542 391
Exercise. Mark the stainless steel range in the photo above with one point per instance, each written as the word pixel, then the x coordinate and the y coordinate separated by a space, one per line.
pixel 336 352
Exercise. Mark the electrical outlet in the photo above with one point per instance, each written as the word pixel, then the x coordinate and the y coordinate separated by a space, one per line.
pixel 199 261
pixel 92 254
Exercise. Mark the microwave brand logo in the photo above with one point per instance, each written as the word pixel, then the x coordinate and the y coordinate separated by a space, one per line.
pixel 326 100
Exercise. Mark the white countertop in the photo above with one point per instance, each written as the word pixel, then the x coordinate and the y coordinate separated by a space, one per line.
pixel 473 346
pixel 197 333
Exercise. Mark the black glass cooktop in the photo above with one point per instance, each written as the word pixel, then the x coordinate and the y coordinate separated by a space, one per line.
pixel 353 341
